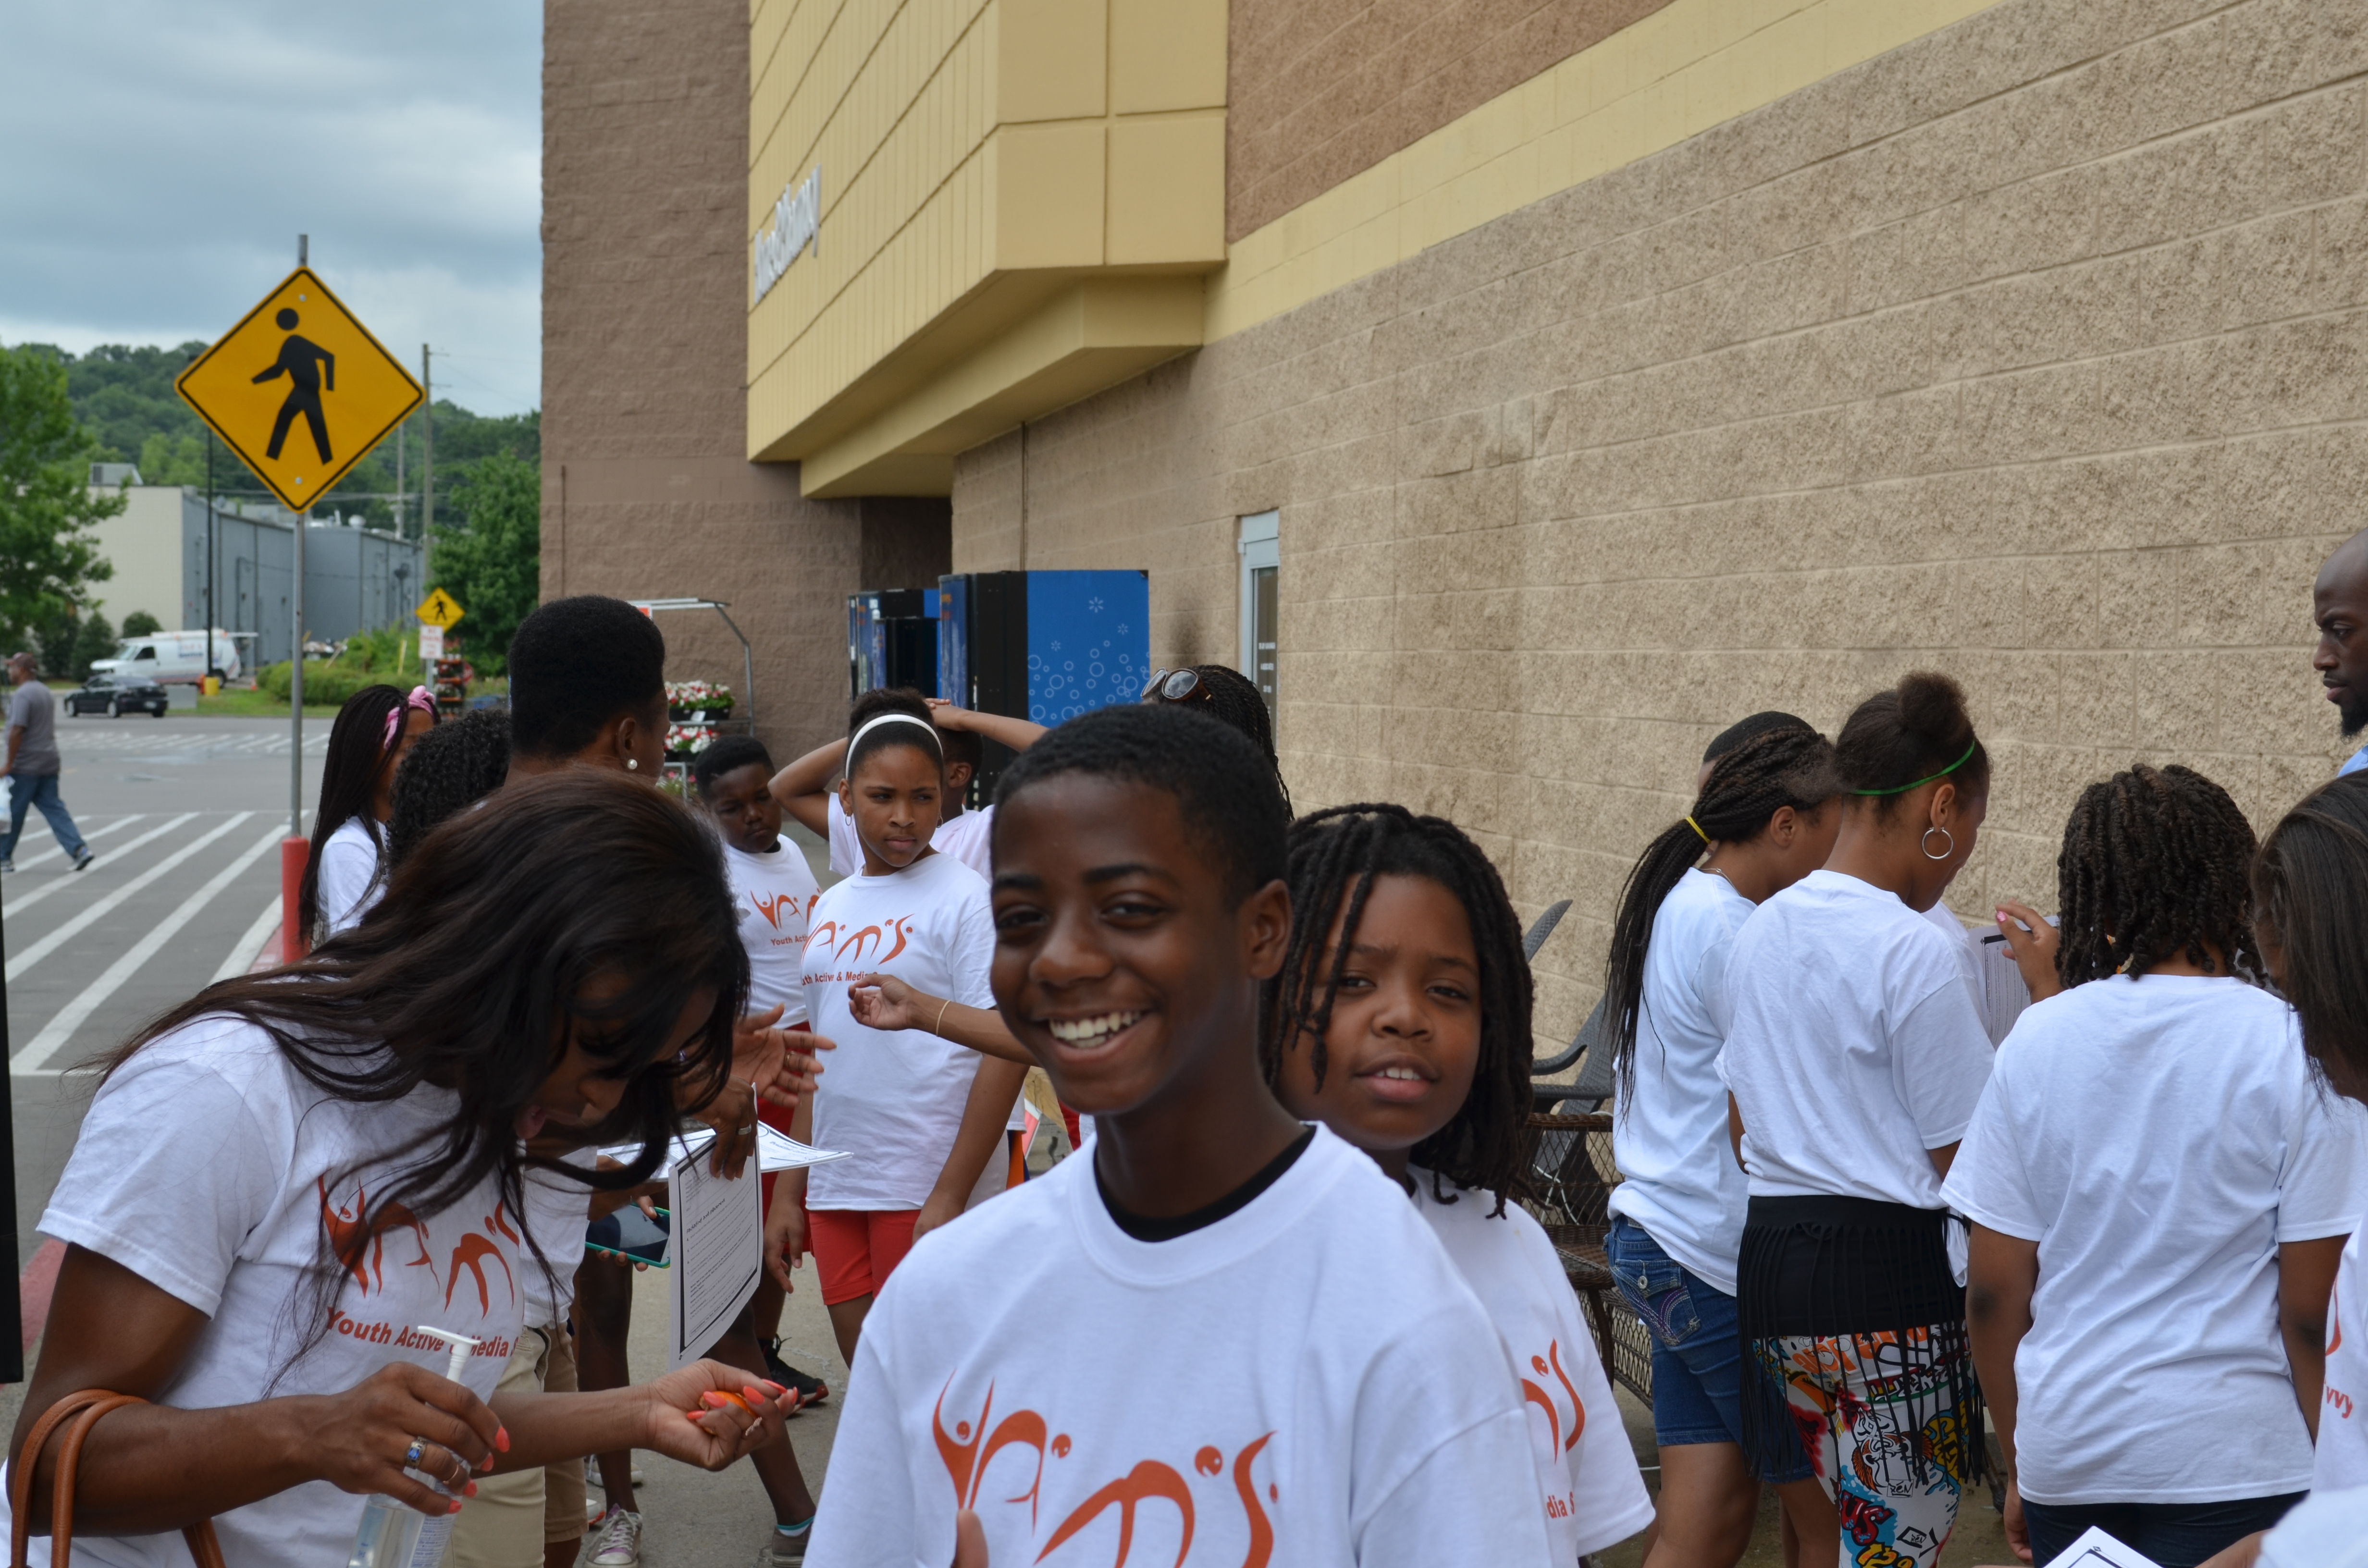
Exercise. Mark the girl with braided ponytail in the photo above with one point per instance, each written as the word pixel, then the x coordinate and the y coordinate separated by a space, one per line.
pixel 1764 819
pixel 1400 1019
pixel 1854 1056
pixel 2153 1136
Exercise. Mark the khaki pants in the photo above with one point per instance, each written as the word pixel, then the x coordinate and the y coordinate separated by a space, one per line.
pixel 506 1524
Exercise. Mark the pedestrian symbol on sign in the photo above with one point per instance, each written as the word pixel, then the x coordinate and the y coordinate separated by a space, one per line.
pixel 264 377
pixel 309 369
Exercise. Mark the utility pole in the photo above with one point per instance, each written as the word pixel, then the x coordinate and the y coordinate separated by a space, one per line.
pixel 400 432
pixel 427 440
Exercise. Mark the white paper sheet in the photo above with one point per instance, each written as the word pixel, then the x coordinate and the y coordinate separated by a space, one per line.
pixel 2003 995
pixel 716 1253
pixel 775 1151
pixel 2095 1549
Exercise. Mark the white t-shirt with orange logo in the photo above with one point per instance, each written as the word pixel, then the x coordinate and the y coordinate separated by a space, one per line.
pixel 209 1167
pixel 775 892
pixel 894 1099
pixel 1594 1493
pixel 2342 1457
pixel 1304 1383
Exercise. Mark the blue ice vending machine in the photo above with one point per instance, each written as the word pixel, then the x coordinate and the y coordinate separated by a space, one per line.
pixel 1042 645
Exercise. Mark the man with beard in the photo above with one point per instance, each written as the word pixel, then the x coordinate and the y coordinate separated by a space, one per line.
pixel 2339 602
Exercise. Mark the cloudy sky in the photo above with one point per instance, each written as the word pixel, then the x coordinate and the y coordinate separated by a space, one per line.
pixel 159 157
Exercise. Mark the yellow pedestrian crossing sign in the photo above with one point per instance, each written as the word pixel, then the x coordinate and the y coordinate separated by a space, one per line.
pixel 300 390
pixel 439 609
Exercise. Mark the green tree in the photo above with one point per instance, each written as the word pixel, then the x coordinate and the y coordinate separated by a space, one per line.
pixel 93 638
pixel 493 562
pixel 140 624
pixel 48 558
pixel 178 459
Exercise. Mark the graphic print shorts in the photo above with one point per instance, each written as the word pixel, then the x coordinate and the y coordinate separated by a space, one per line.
pixel 1885 1432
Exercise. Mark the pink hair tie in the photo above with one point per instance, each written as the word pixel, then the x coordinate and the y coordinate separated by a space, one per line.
pixel 420 698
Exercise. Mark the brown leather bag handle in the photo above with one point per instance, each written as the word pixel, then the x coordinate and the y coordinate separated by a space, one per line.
pixel 84 1409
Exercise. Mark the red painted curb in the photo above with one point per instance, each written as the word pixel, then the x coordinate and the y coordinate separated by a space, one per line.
pixel 34 1289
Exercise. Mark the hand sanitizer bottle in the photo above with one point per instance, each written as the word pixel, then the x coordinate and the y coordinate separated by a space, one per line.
pixel 396 1535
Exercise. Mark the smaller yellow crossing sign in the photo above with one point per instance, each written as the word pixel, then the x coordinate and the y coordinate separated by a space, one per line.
pixel 439 609
pixel 300 390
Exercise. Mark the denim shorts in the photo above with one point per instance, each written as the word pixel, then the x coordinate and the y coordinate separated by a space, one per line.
pixel 1697 1351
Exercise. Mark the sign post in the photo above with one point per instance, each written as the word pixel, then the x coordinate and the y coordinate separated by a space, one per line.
pixel 302 392
pixel 437 613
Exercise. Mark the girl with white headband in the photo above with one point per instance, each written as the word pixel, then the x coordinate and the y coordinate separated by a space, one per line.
pixel 806 788
pixel 922 1117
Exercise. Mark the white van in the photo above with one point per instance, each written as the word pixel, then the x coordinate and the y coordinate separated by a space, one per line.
pixel 171 658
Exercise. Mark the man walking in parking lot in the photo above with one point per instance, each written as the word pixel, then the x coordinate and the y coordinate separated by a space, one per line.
pixel 32 764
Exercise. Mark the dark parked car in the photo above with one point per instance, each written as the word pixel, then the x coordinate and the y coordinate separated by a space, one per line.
pixel 117 695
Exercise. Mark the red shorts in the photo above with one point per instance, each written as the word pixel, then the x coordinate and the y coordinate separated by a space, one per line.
pixel 857 1249
pixel 776 1118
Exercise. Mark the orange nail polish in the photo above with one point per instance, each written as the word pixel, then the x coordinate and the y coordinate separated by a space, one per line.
pixel 502 1438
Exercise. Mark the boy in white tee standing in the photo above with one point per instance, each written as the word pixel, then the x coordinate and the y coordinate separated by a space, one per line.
pixel 1220 1338
pixel 776 891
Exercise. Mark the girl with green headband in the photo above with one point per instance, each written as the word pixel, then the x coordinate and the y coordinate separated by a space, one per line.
pixel 1854 1059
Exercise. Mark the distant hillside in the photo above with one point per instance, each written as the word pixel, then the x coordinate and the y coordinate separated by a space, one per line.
pixel 125 395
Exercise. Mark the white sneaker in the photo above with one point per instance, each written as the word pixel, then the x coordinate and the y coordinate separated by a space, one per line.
pixel 618 1542
pixel 592 1473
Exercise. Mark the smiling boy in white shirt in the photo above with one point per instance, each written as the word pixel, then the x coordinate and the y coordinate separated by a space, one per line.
pixel 1221 1339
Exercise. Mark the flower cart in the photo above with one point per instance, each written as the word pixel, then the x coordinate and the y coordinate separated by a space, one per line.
pixel 699 712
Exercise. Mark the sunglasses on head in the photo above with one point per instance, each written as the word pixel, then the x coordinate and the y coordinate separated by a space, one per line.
pixel 1177 686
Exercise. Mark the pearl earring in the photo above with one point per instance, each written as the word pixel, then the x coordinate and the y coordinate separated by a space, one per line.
pixel 633 765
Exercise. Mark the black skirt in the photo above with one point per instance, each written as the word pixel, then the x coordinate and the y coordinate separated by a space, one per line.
pixel 1834 1270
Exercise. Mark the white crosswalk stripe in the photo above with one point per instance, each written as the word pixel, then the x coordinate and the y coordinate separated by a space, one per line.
pixel 22 901
pixel 20 962
pixel 55 1034
pixel 27 862
pixel 181 743
pixel 243 953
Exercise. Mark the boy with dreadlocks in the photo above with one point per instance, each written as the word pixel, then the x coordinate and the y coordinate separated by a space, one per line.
pixel 1764 818
pixel 2159 1194
pixel 1400 1020
pixel 1217 1338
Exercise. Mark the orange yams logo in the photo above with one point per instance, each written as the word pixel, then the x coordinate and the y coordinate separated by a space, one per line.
pixel 358 1238
pixel 1537 1395
pixel 770 908
pixel 971 1448
pixel 855 945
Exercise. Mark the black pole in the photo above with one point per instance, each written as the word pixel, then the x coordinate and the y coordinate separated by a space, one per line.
pixel 12 1315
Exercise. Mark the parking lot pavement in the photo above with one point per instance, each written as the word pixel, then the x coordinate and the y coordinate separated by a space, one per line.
pixel 184 816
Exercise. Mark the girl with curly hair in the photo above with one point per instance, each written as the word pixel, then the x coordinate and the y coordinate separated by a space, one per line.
pixel 2159 1193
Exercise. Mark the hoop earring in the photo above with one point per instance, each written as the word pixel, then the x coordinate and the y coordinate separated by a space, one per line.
pixel 633 765
pixel 1927 838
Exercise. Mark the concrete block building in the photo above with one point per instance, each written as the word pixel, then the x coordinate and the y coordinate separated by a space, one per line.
pixel 1592 372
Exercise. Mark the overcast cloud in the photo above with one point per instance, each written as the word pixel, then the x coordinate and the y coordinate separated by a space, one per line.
pixel 159 157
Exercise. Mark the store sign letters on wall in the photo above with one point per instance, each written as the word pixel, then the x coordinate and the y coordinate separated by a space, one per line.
pixel 797 223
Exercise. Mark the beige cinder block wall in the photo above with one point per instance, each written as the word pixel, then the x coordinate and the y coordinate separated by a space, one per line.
pixel 2032 350
pixel 647 492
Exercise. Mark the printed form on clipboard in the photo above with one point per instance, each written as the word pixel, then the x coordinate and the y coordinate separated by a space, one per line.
pixel 1999 990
